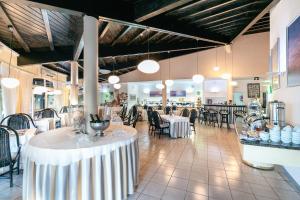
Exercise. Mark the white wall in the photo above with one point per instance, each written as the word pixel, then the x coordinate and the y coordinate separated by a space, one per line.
pixel 281 16
pixel 249 55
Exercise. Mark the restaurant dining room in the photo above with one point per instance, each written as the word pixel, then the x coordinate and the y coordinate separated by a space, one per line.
pixel 149 100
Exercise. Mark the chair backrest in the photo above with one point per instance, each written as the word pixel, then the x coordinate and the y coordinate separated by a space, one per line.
pixel 145 107
pixel 193 116
pixel 64 109
pixel 150 108
pixel 149 115
pixel 174 107
pixel 18 121
pixel 5 151
pixel 185 112
pixel 167 110
pixel 159 107
pixel 156 119
pixel 48 113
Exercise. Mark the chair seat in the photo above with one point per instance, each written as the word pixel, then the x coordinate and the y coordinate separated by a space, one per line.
pixel 164 125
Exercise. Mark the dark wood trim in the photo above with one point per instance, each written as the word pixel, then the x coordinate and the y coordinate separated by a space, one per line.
pixel 103 32
pixel 47 27
pixel 137 36
pixel 16 33
pixel 121 35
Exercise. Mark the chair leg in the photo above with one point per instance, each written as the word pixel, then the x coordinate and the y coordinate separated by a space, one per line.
pixel 18 165
pixel 11 175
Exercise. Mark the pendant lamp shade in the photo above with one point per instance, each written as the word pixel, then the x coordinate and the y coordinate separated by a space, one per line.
pixel 148 66
pixel 160 86
pixel 113 79
pixel 198 78
pixel 117 86
pixel 169 82
pixel 10 82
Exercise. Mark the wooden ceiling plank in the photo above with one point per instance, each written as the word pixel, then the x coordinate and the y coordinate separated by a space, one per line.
pixel 227 11
pixel 150 38
pixel 48 29
pixel 137 36
pixel 258 17
pixel 219 5
pixel 102 34
pixel 229 22
pixel 121 35
pixel 16 33
pixel 145 11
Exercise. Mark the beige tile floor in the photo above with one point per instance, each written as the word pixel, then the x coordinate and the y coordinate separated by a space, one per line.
pixel 205 166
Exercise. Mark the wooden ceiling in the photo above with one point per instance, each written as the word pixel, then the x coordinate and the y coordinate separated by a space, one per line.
pixel 50 32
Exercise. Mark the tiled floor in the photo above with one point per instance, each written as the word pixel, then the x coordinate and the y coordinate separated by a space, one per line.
pixel 205 166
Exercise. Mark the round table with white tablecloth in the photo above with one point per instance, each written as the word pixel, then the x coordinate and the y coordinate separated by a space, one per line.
pixel 45 124
pixel 73 166
pixel 179 126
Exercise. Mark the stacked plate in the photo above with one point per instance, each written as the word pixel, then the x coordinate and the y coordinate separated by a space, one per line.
pixel 296 135
pixel 264 136
pixel 286 134
pixel 275 134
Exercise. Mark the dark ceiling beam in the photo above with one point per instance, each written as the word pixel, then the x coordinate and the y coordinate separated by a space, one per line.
pixel 186 30
pixel 163 38
pixel 229 22
pixel 146 9
pixel 47 27
pixel 56 68
pixel 191 5
pixel 238 8
pixel 137 37
pixel 227 26
pixel 122 33
pixel 16 33
pixel 44 56
pixel 79 43
pixel 150 38
pixel 227 18
pixel 104 31
pixel 209 9
pixel 258 17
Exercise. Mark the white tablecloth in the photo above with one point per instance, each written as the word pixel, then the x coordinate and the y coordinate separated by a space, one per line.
pixel 179 126
pixel 45 124
pixel 70 166
pixel 66 119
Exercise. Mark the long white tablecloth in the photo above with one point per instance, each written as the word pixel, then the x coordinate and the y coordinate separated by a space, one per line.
pixel 70 166
pixel 45 124
pixel 179 126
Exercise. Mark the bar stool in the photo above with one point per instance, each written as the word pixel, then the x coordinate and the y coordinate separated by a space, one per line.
pixel 213 117
pixel 224 116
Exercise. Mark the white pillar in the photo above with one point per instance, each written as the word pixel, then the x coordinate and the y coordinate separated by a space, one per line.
pixel 90 38
pixel 74 83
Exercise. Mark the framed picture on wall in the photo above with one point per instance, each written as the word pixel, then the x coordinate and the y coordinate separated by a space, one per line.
pixel 293 53
pixel 253 90
pixel 275 66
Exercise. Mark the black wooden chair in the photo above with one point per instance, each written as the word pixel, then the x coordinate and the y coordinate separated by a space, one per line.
pixel 185 112
pixel 132 117
pixel 160 126
pixel 213 117
pixel 174 107
pixel 167 110
pixel 224 118
pixel 18 121
pixel 193 117
pixel 64 109
pixel 150 121
pixel 123 112
pixel 7 159
pixel 50 113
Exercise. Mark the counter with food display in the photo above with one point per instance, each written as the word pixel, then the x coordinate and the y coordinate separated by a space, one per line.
pixel 265 147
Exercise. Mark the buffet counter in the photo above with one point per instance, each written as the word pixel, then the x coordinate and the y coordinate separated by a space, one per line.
pixel 264 154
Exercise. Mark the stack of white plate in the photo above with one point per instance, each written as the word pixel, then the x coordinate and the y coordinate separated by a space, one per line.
pixel 264 136
pixel 286 134
pixel 296 135
pixel 275 134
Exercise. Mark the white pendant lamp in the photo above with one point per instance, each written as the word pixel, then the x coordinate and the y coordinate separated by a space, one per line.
pixel 198 78
pixel 148 66
pixel 169 82
pixel 113 79
pixel 216 68
pixel 225 76
pixel 117 86
pixel 10 82
pixel 160 86
pixel 233 83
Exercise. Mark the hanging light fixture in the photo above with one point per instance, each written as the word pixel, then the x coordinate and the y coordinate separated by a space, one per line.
pixel 148 66
pixel 216 67
pixel 113 79
pixel 225 76
pixel 146 90
pixel 117 86
pixel 198 78
pixel 40 89
pixel 160 86
pixel 10 82
pixel 233 83
pixel 169 82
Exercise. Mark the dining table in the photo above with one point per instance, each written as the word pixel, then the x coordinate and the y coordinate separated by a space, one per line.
pixel 45 124
pixel 68 165
pixel 179 126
